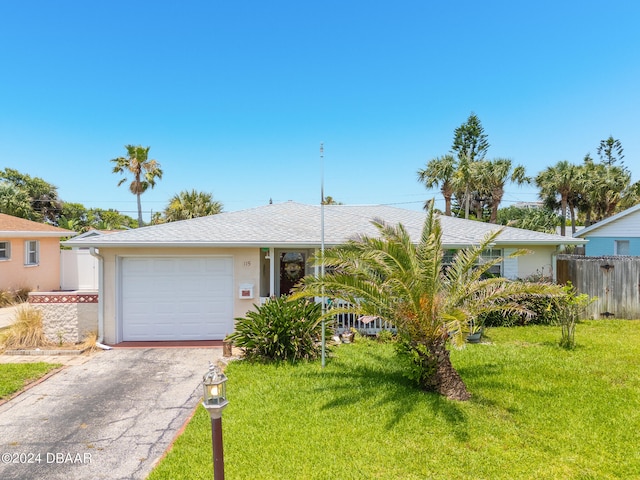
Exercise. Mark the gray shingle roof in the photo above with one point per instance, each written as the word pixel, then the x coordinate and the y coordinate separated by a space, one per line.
pixel 294 224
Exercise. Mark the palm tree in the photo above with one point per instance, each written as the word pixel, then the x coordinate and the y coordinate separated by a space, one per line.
pixel 72 224
pixel 559 180
pixel 440 171
pixel 603 189
pixel 497 174
pixel 631 196
pixel 403 283
pixel 329 200
pixel 191 204
pixel 144 172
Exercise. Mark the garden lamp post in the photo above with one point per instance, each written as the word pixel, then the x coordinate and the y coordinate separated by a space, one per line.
pixel 214 400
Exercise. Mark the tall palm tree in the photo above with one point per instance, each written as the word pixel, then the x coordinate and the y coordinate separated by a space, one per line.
pixel 404 283
pixel 479 181
pixel 144 171
pixel 191 204
pixel 440 171
pixel 603 189
pixel 559 180
pixel 497 173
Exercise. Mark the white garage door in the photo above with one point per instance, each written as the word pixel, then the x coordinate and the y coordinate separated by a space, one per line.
pixel 177 298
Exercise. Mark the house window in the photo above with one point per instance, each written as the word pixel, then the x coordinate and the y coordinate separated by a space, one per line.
pixel 621 247
pixel 487 255
pixel 5 250
pixel 31 252
pixel 492 254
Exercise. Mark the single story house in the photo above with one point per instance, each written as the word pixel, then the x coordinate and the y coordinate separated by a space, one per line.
pixel 616 235
pixel 188 280
pixel 29 254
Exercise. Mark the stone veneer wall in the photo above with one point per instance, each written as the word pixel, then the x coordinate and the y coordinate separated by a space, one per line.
pixel 67 316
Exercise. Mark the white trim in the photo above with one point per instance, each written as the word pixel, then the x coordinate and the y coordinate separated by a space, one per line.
pixel 510 264
pixel 28 251
pixel 272 272
pixel 7 250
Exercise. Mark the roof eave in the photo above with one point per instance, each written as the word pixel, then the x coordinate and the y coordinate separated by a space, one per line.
pixel 183 244
pixel 34 234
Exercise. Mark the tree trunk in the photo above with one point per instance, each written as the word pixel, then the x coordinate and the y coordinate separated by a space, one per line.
pixel 447 204
pixel 466 203
pixel 496 198
pixel 563 215
pixel 140 224
pixel 439 374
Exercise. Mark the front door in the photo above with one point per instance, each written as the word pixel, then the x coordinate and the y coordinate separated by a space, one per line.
pixel 292 269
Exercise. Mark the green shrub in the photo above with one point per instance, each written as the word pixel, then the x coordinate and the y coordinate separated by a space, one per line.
pixel 385 336
pixel 562 310
pixel 280 330
pixel 546 311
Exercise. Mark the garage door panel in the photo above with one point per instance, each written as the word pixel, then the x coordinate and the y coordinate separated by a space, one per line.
pixel 177 298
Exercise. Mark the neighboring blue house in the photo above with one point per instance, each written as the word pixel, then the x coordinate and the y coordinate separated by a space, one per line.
pixel 617 235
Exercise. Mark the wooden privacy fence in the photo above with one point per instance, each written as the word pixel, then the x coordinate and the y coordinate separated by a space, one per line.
pixel 614 280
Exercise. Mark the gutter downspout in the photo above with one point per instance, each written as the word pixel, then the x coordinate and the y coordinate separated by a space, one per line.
pixel 95 253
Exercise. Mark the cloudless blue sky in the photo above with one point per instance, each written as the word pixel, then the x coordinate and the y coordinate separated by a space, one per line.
pixel 234 97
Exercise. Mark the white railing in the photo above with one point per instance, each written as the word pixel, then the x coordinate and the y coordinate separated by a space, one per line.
pixel 366 325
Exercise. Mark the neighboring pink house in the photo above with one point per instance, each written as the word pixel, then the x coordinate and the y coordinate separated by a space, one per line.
pixel 29 254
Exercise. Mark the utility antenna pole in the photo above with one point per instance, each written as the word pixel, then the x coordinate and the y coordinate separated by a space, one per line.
pixel 324 303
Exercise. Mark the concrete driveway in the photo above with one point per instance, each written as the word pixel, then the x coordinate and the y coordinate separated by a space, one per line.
pixel 110 418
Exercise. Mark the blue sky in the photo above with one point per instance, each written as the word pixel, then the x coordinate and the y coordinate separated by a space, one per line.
pixel 234 98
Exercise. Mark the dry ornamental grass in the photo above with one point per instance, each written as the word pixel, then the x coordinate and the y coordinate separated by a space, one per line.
pixel 26 331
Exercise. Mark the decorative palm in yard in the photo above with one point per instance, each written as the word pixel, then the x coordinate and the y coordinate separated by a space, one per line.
pixel 431 304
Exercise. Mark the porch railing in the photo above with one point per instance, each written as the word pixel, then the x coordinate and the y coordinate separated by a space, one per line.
pixel 364 325
pixel 347 321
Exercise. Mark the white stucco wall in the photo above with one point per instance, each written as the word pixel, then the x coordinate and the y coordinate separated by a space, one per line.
pixel 539 261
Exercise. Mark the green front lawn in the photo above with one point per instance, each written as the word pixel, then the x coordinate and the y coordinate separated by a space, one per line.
pixel 537 411
pixel 15 376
